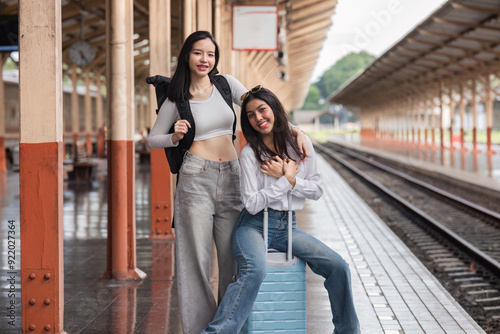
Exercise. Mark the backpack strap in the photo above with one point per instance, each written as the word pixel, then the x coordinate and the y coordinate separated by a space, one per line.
pixel 161 86
pixel 222 85
pixel 185 113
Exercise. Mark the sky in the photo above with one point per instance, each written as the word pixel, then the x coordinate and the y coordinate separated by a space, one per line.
pixel 370 25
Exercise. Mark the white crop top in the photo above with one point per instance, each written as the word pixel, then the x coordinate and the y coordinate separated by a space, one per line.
pixel 213 117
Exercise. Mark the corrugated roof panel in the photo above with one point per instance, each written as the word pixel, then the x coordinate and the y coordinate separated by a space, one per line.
pixel 463 36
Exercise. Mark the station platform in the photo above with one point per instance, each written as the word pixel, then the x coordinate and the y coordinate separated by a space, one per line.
pixel 393 292
pixel 480 168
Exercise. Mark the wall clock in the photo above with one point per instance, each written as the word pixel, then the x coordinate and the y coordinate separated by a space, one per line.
pixel 81 53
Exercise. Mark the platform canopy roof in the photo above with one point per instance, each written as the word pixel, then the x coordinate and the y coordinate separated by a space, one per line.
pixel 461 38
pixel 307 23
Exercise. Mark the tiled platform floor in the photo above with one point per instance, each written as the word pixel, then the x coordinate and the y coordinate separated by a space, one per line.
pixel 394 293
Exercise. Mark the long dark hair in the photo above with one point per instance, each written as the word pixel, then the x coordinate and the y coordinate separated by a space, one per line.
pixel 178 89
pixel 283 137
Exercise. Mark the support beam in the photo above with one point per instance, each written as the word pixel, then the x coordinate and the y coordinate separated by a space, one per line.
pixel 133 271
pixel 462 116
pixel 204 15
pixel 121 209
pixel 474 115
pixel 87 103
pixel 100 123
pixel 161 180
pixel 441 114
pixel 489 114
pixel 189 17
pixel 41 168
pixel 3 161
pixel 75 110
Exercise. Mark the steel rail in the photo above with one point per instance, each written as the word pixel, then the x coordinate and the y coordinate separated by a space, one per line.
pixel 482 258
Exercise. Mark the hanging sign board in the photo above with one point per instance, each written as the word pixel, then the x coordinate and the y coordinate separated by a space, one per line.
pixel 255 27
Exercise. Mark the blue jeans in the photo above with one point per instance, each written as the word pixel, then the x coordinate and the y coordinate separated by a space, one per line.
pixel 207 205
pixel 250 253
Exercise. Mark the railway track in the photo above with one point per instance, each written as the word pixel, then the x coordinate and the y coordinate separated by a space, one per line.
pixel 457 239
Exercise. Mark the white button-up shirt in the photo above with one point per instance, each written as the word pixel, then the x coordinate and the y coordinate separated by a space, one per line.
pixel 259 190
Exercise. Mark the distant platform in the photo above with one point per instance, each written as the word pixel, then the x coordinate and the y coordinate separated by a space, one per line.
pixel 479 168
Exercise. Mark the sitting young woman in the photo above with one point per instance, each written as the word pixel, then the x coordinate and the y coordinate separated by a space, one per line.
pixel 271 167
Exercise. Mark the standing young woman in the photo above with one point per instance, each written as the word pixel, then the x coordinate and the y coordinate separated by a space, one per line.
pixel 270 169
pixel 207 198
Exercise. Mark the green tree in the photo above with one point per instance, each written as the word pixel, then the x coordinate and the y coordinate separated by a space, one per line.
pixel 342 71
pixel 336 76
pixel 313 98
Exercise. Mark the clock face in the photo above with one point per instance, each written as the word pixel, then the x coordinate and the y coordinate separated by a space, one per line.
pixel 81 53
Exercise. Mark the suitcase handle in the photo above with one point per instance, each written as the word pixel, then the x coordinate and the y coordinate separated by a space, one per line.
pixel 290 220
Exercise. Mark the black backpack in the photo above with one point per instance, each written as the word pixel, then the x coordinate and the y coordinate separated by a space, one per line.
pixel 175 155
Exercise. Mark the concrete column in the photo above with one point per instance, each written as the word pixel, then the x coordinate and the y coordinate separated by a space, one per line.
pixel 137 112
pixel 41 166
pixel 204 15
pixel 432 105
pixel 452 105
pixel 75 109
pixel 418 111
pixel 121 239
pixel 427 106
pixel 217 19
pixel 411 116
pixel 489 114
pixel 189 24
pixel 441 118
pixel 88 114
pixel 474 115
pixel 142 112
pixel 133 271
pixel 100 123
pixel 415 111
pixel 3 162
pixel 462 117
pixel 162 183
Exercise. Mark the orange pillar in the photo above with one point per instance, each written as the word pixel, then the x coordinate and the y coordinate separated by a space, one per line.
pixel 441 115
pixel 462 117
pixel 41 173
pixel 418 121
pixel 474 117
pixel 134 272
pixel 3 162
pixel 101 126
pixel 433 123
pixel 426 119
pixel 489 115
pixel 452 106
pixel 88 114
pixel 75 112
pixel 121 237
pixel 161 179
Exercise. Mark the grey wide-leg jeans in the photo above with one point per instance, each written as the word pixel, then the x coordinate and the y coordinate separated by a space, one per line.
pixel 207 205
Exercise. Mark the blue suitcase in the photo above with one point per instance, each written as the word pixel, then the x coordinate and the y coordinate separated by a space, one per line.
pixel 280 306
